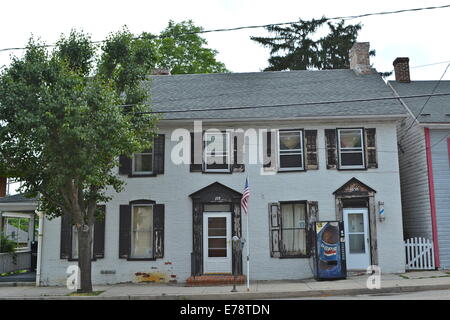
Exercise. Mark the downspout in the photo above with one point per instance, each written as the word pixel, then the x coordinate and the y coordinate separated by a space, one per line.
pixel 432 197
pixel 39 248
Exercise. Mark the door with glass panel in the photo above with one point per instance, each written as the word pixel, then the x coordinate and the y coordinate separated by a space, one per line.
pixel 357 241
pixel 217 242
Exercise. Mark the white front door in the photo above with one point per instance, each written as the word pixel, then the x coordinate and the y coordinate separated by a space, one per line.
pixel 217 242
pixel 357 242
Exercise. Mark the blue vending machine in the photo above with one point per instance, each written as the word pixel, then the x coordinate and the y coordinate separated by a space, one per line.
pixel 329 250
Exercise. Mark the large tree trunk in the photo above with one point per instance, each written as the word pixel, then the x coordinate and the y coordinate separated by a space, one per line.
pixel 85 257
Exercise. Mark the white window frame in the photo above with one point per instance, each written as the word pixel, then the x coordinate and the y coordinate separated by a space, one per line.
pixel 133 170
pixel 227 152
pixel 75 246
pixel 351 150
pixel 291 152
pixel 152 247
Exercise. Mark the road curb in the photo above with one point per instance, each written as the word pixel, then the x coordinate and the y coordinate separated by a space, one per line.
pixel 248 295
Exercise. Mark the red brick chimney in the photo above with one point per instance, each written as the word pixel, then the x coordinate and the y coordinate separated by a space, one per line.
pixel 359 58
pixel 401 69
pixel 2 186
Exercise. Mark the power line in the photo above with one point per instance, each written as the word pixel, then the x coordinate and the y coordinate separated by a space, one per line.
pixel 287 104
pixel 424 105
pixel 267 25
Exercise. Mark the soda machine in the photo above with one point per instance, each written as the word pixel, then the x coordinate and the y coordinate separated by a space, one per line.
pixel 329 250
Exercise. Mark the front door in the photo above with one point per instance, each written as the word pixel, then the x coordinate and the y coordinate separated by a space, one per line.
pixel 357 242
pixel 217 242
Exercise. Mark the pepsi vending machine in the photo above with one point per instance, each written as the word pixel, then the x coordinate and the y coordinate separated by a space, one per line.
pixel 329 250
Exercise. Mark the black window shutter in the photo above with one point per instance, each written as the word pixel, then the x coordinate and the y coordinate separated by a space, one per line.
pixel 311 150
pixel 194 167
pixel 313 216
pixel 158 152
pixel 275 229
pixel 158 231
pixel 269 152
pixel 124 165
pixel 238 152
pixel 66 236
pixel 124 231
pixel 371 148
pixel 99 233
pixel 330 145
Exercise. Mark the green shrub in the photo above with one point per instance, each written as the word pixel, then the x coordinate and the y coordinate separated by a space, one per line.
pixel 8 246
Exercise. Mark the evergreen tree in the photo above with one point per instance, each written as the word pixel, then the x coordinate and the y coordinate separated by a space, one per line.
pixel 294 48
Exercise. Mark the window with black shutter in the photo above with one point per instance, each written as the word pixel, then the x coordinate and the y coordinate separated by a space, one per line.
pixel 290 227
pixel 330 146
pixel 69 236
pixel 141 230
pixel 312 162
pixel 148 163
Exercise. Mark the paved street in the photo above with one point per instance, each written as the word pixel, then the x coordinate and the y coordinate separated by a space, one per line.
pixel 422 295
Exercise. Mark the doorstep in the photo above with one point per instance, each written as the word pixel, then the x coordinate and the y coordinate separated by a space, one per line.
pixel 214 280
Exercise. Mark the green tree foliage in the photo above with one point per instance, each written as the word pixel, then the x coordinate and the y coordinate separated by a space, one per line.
pixel 294 47
pixel 63 126
pixel 180 49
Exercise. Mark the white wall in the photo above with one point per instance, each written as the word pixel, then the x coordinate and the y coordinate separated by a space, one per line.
pixel 173 189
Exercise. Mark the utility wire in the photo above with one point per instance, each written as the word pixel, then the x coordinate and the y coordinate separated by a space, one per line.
pixel 424 105
pixel 266 25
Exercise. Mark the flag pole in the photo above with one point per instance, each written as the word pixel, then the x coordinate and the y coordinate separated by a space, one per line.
pixel 248 249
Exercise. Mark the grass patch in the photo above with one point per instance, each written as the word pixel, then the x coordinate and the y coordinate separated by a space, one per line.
pixel 403 276
pixel 13 272
pixel 90 294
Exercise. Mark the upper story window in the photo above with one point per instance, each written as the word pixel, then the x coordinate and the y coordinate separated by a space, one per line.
pixel 290 151
pixel 351 148
pixel 143 162
pixel 217 152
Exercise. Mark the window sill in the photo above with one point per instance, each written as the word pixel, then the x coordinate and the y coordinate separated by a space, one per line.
pixel 301 256
pixel 134 175
pixel 351 169
pixel 291 170
pixel 141 259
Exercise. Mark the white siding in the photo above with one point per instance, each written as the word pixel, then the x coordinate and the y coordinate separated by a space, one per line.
pixel 441 174
pixel 173 187
pixel 414 181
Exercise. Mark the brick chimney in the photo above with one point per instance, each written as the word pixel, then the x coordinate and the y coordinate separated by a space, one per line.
pixel 2 186
pixel 161 71
pixel 401 69
pixel 359 58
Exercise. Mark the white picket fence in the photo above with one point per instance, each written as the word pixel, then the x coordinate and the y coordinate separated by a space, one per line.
pixel 419 254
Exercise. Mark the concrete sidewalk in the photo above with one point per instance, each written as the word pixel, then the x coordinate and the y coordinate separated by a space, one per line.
pixel 354 285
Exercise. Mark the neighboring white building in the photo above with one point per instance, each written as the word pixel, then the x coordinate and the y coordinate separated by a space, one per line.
pixel 175 221
pixel 424 139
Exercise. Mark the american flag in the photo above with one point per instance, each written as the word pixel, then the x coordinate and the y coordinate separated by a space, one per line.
pixel 245 197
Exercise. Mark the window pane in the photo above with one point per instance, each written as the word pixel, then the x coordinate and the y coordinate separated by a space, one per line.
pixel 142 232
pixel 355 222
pixel 216 143
pixel 289 140
pixel 293 230
pixel 143 162
pixel 357 243
pixel 217 253
pixel 294 241
pixel 217 227
pixel 352 159
pixel 217 207
pixel 141 244
pixel 291 161
pixel 217 243
pixel 350 138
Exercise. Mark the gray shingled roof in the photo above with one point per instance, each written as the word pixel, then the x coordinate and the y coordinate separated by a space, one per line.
pixel 437 109
pixel 212 91
pixel 16 198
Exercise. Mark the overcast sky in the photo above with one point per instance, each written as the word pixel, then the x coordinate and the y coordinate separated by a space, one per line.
pixel 422 36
